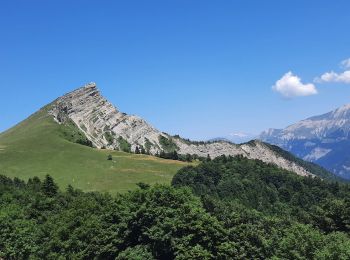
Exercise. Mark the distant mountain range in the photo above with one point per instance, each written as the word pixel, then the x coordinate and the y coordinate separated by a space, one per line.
pixel 236 138
pixel 323 139
pixel 92 120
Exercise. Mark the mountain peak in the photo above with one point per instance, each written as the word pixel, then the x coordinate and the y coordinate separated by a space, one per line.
pixel 101 122
pixel 343 111
pixel 106 127
pixel 86 89
pixel 323 139
pixel 88 86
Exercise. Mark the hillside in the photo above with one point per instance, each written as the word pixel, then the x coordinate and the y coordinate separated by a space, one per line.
pixel 322 139
pixel 39 146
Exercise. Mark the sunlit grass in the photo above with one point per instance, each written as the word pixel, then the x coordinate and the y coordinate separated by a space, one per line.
pixel 35 148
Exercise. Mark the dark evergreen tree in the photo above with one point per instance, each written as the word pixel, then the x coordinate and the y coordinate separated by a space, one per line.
pixel 143 186
pixel 34 183
pixel 18 182
pixel 70 189
pixel 143 151
pixel 137 150
pixel 49 187
pixel 109 157
pixel 188 158
pixel 175 156
pixel 208 158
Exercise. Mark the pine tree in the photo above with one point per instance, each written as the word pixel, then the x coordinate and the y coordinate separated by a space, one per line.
pixel 34 184
pixel 143 151
pixel 18 182
pixel 49 187
pixel 70 189
pixel 188 158
pixel 208 158
pixel 175 156
pixel 143 186
pixel 137 150
pixel 109 157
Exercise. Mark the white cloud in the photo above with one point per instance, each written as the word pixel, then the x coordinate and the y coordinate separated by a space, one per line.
pixel 345 63
pixel 332 76
pixel 291 86
pixel 342 77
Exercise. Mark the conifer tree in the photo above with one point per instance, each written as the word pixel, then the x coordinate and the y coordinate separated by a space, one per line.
pixel 143 151
pixel 49 187
pixel 175 156
pixel 188 158
pixel 208 158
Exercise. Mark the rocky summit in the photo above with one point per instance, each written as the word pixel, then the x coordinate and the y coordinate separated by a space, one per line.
pixel 102 123
pixel 106 127
pixel 323 139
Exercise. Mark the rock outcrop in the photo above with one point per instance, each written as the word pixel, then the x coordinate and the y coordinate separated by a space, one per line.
pixel 102 123
pixel 106 127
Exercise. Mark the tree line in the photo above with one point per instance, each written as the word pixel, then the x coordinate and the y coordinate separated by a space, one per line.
pixel 225 208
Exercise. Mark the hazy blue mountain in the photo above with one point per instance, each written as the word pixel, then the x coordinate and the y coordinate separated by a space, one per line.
pixel 322 139
pixel 236 138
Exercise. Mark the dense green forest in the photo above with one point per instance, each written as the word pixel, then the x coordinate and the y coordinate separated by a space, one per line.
pixel 272 213
pixel 226 208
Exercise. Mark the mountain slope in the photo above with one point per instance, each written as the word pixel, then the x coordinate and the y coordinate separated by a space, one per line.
pixel 49 142
pixel 322 139
pixel 105 126
pixel 39 146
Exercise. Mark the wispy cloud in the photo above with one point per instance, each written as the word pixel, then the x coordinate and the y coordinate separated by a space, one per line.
pixel 331 76
pixel 345 63
pixel 290 86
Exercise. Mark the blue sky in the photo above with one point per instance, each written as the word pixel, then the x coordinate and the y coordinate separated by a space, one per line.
pixel 200 69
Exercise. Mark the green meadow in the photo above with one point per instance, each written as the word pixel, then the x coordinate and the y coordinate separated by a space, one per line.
pixel 36 147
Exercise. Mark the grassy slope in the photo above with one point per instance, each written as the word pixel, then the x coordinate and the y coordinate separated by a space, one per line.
pixel 35 147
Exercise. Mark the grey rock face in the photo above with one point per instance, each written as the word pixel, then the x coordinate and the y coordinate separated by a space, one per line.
pixel 101 122
pixel 105 126
pixel 322 139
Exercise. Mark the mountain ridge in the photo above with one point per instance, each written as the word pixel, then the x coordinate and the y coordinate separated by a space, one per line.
pixel 106 127
pixel 322 139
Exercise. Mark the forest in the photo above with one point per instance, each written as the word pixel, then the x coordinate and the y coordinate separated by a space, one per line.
pixel 226 208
